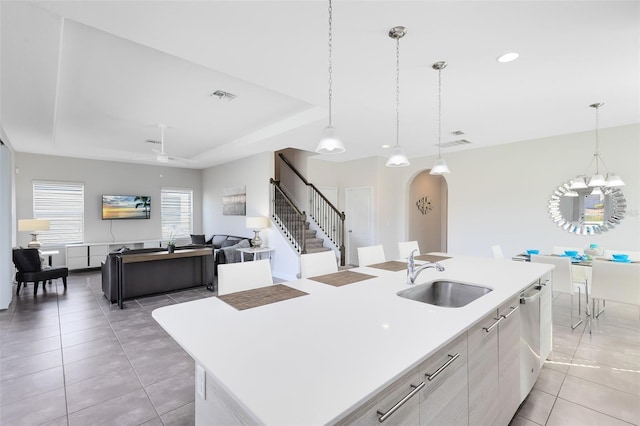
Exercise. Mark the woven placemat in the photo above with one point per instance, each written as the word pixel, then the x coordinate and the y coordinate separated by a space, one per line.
pixel 338 279
pixel 431 257
pixel 392 265
pixel 248 299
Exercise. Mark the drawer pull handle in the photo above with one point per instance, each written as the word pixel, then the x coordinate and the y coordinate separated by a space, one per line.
pixel 385 416
pixel 512 310
pixel 492 326
pixel 430 377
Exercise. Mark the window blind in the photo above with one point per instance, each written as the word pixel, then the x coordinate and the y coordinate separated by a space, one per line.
pixel 63 204
pixel 177 212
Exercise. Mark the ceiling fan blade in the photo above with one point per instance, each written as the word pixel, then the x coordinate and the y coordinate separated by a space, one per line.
pixel 182 160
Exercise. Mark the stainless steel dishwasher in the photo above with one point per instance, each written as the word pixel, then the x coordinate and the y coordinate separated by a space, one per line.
pixel 529 338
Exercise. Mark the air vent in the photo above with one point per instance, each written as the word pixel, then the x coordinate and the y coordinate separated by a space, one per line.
pixel 153 142
pixel 222 95
pixel 454 143
pixel 457 133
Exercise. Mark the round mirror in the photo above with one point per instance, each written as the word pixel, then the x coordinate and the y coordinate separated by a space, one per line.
pixel 587 211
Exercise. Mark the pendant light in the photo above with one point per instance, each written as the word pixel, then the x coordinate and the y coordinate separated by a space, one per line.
pixel 440 166
pixel 330 142
pixel 598 180
pixel 398 158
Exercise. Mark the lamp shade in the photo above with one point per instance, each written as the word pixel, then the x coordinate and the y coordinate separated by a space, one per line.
pixel 439 167
pixel 578 183
pixel 330 142
pixel 33 225
pixel 597 180
pixel 614 180
pixel 596 191
pixel 259 222
pixel 398 158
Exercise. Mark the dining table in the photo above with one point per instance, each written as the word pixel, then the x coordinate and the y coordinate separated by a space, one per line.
pixel 580 266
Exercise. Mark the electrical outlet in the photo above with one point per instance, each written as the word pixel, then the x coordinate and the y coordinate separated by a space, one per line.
pixel 201 378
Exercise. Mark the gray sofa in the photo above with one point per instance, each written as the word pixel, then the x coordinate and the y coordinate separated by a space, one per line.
pixel 147 278
pixel 224 246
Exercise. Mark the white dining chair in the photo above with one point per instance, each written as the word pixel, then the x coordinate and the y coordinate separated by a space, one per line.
pixel 563 281
pixel 370 255
pixel 616 282
pixel 497 251
pixel 581 273
pixel 406 247
pixel 321 263
pixel 233 277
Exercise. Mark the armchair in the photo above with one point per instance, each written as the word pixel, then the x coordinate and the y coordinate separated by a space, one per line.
pixel 29 267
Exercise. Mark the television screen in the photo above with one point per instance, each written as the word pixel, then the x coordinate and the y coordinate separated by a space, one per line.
pixel 126 207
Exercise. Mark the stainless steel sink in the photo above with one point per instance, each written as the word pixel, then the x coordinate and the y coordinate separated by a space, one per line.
pixel 449 294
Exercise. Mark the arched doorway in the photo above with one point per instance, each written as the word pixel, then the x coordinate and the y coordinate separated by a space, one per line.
pixel 428 203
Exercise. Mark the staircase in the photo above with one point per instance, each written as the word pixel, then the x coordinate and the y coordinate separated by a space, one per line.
pixel 313 243
pixel 294 224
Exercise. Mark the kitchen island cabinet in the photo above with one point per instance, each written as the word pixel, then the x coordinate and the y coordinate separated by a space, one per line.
pixel 508 361
pixel 444 399
pixel 341 353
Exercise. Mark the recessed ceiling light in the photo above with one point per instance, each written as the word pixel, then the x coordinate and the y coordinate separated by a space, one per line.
pixel 508 57
pixel 386 146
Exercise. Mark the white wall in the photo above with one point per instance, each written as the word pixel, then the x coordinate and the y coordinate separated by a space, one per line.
pixel 7 215
pixel 254 173
pixel 105 177
pixel 499 195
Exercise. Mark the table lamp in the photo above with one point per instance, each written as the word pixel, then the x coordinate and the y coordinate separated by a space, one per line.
pixel 33 225
pixel 257 224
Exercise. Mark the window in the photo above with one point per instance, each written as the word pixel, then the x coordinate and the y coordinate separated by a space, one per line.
pixel 63 204
pixel 177 212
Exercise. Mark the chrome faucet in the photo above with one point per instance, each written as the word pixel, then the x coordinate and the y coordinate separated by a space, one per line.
pixel 412 272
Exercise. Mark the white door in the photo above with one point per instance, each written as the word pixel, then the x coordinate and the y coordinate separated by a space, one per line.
pixel 359 220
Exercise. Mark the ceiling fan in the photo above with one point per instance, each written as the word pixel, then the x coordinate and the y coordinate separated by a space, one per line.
pixel 161 155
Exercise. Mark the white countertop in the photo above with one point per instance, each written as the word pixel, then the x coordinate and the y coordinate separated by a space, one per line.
pixel 312 359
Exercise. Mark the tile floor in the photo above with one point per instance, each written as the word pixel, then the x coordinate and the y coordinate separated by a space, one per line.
pixel 72 358
pixel 589 379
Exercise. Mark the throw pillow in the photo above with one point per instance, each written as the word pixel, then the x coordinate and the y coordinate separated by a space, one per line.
pixel 217 240
pixel 228 243
pixel 197 239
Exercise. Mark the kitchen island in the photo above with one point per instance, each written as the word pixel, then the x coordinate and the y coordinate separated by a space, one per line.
pixel 318 358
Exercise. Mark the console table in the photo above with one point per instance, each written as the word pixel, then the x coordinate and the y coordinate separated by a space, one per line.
pixel 160 256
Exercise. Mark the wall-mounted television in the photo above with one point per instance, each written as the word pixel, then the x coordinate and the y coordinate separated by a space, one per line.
pixel 126 207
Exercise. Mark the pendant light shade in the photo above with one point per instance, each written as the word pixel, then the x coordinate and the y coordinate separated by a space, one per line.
pixel 440 166
pixel 614 180
pixel 596 191
pixel 596 180
pixel 578 183
pixel 398 157
pixel 330 142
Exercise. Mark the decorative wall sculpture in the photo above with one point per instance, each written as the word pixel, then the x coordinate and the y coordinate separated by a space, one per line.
pixel 424 205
